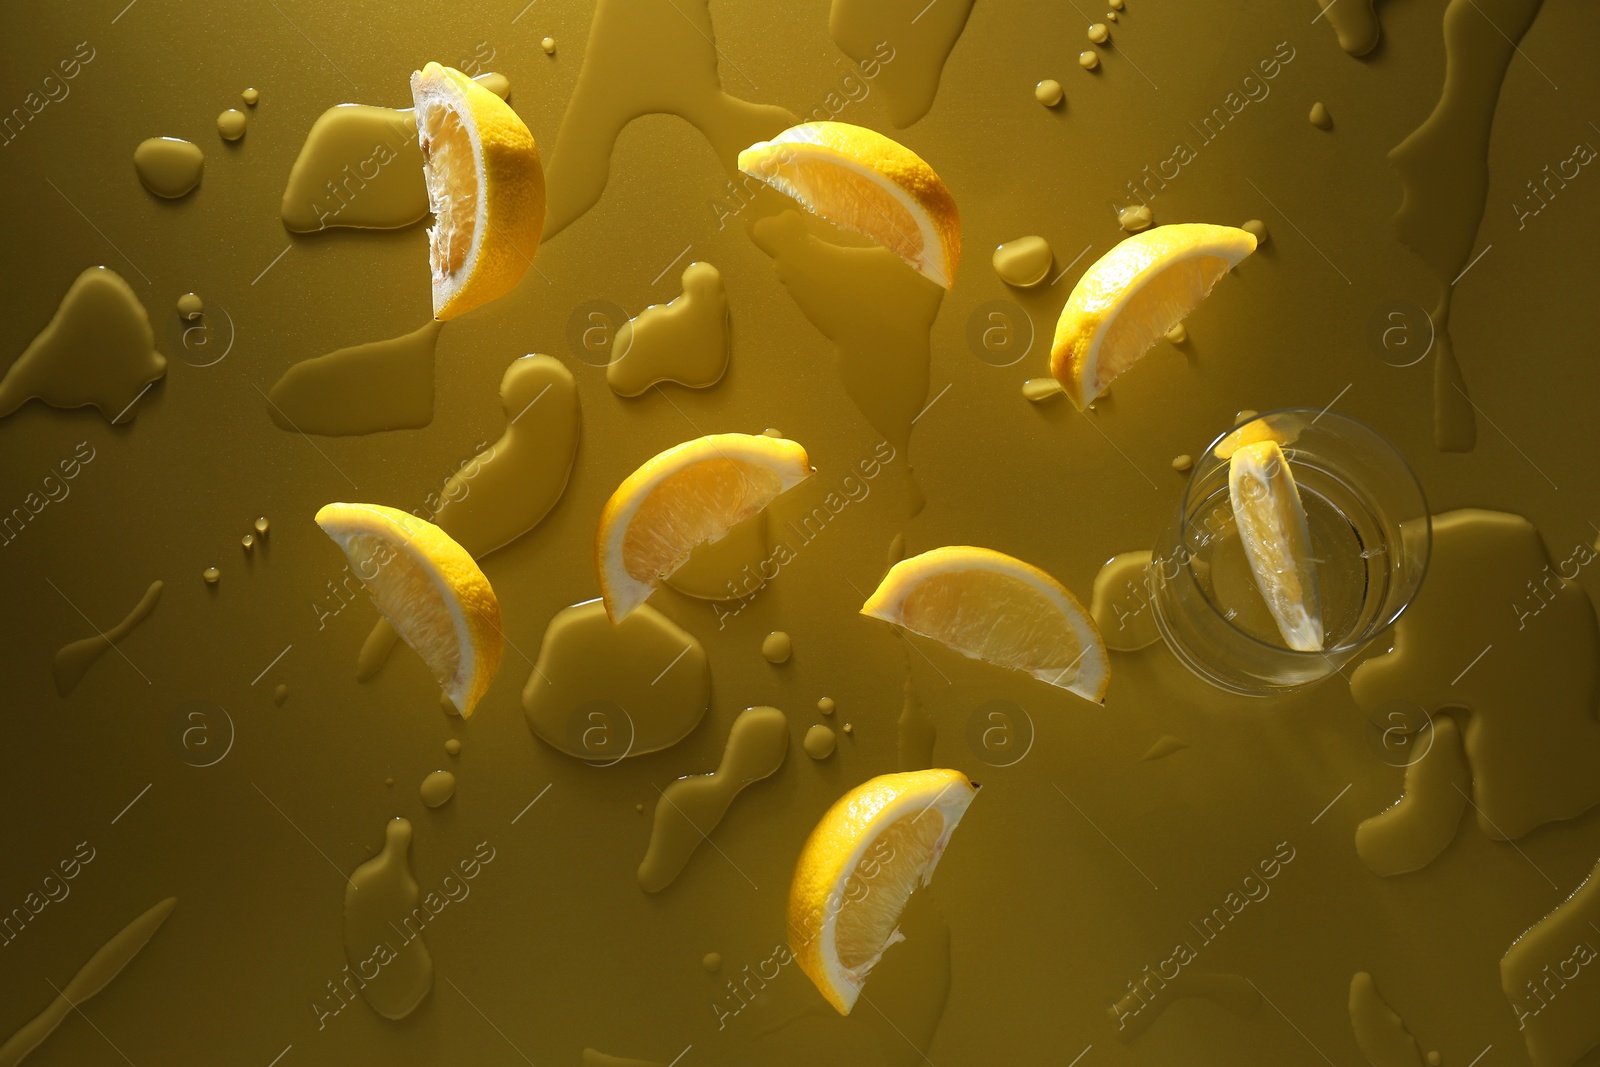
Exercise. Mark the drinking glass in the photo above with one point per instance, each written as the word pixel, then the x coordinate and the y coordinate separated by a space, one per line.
pixel 1371 536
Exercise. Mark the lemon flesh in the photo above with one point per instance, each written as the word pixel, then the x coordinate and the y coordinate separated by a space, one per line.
pixel 689 495
pixel 430 590
pixel 1133 295
pixel 996 608
pixel 485 188
pixel 873 848
pixel 1271 521
pixel 866 183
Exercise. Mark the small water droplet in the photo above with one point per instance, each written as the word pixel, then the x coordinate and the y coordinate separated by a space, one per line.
pixel 777 647
pixel 231 124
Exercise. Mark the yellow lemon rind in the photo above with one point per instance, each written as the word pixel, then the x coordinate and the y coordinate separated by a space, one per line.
pixel 1093 674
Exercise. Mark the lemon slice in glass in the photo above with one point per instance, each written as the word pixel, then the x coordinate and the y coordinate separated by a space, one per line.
pixel 1272 527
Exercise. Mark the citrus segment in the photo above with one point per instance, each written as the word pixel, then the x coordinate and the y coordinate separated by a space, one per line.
pixel 485 188
pixel 1272 526
pixel 996 608
pixel 1134 294
pixel 689 495
pixel 873 848
pixel 866 183
pixel 429 589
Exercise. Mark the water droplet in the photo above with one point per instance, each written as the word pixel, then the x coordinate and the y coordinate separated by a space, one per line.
pixel 211 575
pixel 251 96
pixel 1183 462
pixel 231 124
pixel 685 341
pixel 1098 33
pixel 1320 117
pixel 1023 262
pixel 168 166
pixel 712 961
pixel 777 647
pixel 1048 92
pixel 280 694
pixel 261 525
pixel 1178 334
pixel 549 46
pixel 1257 229
pixel 248 541
pixel 691 807
pixel 1134 218
pixel 826 705
pixel 378 901
pixel 820 742
pixel 438 788
pixel 1037 389
pixel 453 746
pixel 190 306
pixel 1088 60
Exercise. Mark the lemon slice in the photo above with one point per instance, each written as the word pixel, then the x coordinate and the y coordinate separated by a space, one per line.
pixel 688 495
pixel 1134 294
pixel 429 589
pixel 991 606
pixel 874 847
pixel 862 181
pixel 1272 527
pixel 485 187
pixel 1283 428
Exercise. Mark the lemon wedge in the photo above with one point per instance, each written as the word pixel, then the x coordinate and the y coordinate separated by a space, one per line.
pixel 1283 428
pixel 996 608
pixel 870 851
pixel 688 495
pixel 485 187
pixel 1272 527
pixel 429 589
pixel 1134 294
pixel 863 182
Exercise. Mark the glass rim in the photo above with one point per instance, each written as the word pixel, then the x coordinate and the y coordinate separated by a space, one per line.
pixel 1378 626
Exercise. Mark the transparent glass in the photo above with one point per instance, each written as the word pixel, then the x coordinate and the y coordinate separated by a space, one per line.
pixel 1371 536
